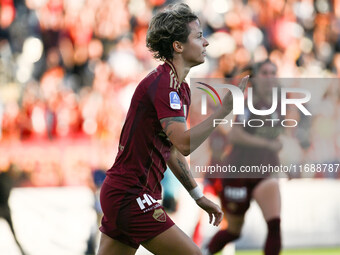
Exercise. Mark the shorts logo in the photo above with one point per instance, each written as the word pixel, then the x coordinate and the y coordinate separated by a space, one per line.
pixel 235 193
pixel 159 215
pixel 175 102
pixel 145 200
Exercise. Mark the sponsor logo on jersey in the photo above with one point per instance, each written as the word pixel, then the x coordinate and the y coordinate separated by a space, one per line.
pixel 159 215
pixel 175 102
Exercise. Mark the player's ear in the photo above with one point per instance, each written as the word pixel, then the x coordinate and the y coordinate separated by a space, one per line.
pixel 178 46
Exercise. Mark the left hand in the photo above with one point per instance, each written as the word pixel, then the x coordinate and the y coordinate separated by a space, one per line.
pixel 212 209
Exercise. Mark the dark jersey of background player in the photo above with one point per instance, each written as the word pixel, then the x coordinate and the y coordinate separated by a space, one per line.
pixel 237 190
pixel 245 155
pixel 253 146
pixel 143 147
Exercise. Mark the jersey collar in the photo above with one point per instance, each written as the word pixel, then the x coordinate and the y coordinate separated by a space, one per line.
pixel 174 70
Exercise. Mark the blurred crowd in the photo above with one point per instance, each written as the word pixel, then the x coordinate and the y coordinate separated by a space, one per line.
pixel 69 68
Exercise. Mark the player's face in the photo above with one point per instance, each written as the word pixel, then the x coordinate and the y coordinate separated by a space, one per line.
pixel 266 79
pixel 267 70
pixel 194 50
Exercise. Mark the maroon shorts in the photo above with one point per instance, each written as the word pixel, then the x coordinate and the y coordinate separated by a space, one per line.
pixel 130 218
pixel 237 194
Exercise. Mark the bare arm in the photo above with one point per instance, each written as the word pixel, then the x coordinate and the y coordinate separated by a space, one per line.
pixel 186 140
pixel 179 166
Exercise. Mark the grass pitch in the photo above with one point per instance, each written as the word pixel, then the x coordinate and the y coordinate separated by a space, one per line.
pixel 316 251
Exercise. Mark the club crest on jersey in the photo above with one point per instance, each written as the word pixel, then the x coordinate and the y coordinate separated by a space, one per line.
pixel 175 102
pixel 159 215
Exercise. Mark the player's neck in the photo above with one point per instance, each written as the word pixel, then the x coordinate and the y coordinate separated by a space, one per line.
pixel 181 69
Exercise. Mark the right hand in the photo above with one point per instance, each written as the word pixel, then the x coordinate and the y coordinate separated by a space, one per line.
pixel 227 101
pixel 214 211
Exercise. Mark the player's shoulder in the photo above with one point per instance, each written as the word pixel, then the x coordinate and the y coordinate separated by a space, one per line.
pixel 155 76
pixel 164 76
pixel 185 85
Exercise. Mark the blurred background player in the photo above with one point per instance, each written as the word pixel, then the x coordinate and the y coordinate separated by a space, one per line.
pixel 7 180
pixel 253 146
pixel 95 185
pixel 219 146
pixel 155 135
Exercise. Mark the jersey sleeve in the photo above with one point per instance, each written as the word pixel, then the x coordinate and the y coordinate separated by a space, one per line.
pixel 167 100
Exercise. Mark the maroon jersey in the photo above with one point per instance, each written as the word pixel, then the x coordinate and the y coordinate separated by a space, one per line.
pixel 236 192
pixel 249 156
pixel 143 147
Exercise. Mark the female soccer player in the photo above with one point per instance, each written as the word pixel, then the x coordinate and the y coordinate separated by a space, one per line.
pixel 253 146
pixel 155 135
